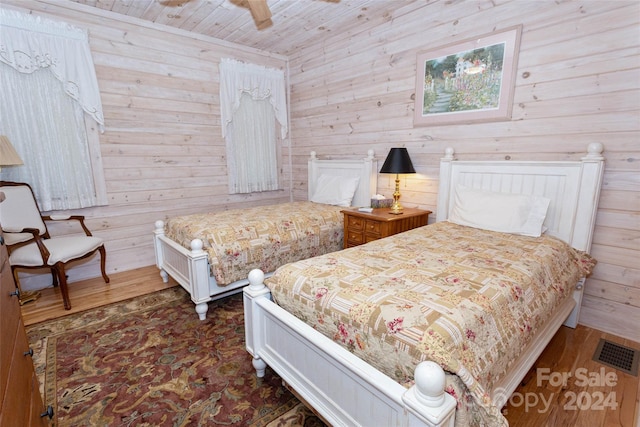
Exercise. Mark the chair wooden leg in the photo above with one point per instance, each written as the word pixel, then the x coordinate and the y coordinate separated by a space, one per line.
pixel 62 277
pixel 103 262
pixel 54 276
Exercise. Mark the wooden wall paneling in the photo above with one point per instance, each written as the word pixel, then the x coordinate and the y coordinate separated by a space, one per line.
pixel 620 318
pixel 577 82
pixel 622 294
pixel 163 152
pixel 82 13
pixel 626 238
pixel 406 26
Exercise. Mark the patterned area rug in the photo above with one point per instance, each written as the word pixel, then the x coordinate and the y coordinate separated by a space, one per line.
pixel 149 361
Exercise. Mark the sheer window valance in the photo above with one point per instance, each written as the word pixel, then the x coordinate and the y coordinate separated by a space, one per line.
pixel 238 78
pixel 30 43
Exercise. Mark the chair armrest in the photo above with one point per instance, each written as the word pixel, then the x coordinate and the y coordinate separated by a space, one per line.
pixel 56 217
pixel 44 252
pixel 79 218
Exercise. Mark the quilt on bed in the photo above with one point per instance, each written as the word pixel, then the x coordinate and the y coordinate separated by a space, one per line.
pixel 466 298
pixel 264 237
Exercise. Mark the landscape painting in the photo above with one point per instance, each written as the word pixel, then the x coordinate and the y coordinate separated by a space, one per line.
pixel 470 81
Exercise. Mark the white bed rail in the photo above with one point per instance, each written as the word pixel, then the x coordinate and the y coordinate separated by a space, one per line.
pixel 187 267
pixel 341 387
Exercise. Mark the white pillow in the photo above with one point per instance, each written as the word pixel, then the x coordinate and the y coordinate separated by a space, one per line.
pixel 335 190
pixel 504 212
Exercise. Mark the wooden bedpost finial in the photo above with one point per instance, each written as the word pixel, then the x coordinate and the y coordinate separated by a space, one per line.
pixel 594 151
pixel 370 154
pixel 430 382
pixel 196 246
pixel 448 154
pixel 256 279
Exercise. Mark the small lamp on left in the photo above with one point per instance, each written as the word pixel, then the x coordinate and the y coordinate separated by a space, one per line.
pixel 8 154
pixel 9 157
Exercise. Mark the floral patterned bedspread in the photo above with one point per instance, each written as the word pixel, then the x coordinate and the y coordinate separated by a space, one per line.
pixel 264 237
pixel 466 298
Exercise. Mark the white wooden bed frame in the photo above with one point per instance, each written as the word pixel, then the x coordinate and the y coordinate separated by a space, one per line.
pixel 345 390
pixel 190 268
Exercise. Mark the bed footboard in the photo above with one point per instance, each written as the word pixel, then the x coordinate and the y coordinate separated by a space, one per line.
pixel 343 389
pixel 190 268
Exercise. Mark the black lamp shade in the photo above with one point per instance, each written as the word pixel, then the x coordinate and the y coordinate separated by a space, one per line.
pixel 398 161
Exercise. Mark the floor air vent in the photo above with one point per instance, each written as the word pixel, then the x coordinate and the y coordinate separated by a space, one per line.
pixel 617 356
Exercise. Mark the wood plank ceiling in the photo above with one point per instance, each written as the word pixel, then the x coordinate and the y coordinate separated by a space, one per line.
pixel 292 24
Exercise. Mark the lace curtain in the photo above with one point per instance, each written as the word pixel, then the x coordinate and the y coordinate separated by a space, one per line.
pixel 252 98
pixel 44 118
pixel 30 43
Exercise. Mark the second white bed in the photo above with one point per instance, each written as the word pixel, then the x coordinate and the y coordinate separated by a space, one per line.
pixel 193 264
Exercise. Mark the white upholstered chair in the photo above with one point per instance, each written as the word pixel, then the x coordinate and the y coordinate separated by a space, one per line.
pixel 30 245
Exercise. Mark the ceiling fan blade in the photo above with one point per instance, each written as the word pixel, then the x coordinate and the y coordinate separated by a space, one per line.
pixel 261 13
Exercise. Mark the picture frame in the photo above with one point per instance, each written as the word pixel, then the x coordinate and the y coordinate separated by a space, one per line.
pixel 469 81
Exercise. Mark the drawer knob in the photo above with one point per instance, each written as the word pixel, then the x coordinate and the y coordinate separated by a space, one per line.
pixel 15 293
pixel 28 353
pixel 48 412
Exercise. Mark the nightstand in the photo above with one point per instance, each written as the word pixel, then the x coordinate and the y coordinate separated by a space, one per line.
pixel 363 227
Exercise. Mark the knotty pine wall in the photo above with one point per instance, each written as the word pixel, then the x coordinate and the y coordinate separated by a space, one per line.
pixel 162 150
pixel 578 81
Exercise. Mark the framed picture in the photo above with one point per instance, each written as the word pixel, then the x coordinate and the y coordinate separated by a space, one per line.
pixel 466 82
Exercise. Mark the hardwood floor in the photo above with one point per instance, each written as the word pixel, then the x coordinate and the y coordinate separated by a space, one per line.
pixel 593 395
pixel 567 388
pixel 92 293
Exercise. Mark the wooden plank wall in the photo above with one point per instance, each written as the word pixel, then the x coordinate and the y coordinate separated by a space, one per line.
pixel 163 151
pixel 578 81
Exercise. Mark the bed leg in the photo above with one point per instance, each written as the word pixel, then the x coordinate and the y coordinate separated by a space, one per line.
pixel 259 366
pixel 252 319
pixel 165 276
pixel 427 398
pixel 159 231
pixel 202 309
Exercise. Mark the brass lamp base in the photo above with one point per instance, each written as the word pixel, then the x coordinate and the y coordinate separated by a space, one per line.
pixel 396 208
pixel 28 296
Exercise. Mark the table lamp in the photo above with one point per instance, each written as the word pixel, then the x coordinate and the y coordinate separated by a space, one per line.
pixel 398 162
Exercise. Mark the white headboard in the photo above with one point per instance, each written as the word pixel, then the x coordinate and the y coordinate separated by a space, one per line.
pixel 366 169
pixel 572 186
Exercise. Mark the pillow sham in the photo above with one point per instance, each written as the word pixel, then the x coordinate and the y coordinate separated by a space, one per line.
pixel 335 190
pixel 503 212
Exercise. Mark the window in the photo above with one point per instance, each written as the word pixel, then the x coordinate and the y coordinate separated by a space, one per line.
pixel 49 110
pixel 252 154
pixel 252 99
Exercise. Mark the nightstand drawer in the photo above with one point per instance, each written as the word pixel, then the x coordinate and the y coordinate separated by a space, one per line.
pixel 372 227
pixel 355 223
pixel 355 238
